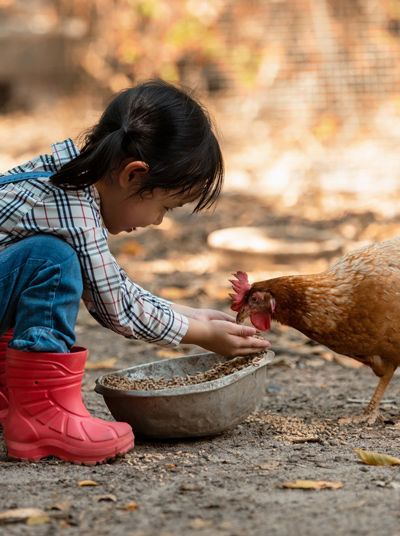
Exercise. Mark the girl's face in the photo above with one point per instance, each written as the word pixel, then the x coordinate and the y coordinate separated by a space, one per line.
pixel 123 210
pixel 144 209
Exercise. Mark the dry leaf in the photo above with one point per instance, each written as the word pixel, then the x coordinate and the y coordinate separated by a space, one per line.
pixel 176 293
pixel 107 497
pixel 105 364
pixel 374 458
pixel 63 505
pixel 190 486
pixel 167 354
pixel 83 483
pixel 199 523
pixel 20 514
pixel 347 362
pixel 38 520
pixel 132 248
pixel 131 506
pixel 311 484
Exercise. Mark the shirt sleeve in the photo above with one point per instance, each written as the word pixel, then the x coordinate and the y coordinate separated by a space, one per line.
pixel 109 295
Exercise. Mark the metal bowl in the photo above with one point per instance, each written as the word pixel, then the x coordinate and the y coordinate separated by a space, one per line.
pixel 202 409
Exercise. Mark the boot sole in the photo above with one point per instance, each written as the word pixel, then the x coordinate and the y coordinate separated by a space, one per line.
pixel 35 452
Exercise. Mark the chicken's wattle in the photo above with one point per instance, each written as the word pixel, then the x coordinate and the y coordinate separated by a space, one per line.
pixel 261 321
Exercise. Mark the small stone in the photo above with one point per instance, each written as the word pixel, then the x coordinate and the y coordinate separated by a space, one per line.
pixel 272 388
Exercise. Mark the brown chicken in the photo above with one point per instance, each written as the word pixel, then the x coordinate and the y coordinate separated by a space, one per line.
pixel 353 308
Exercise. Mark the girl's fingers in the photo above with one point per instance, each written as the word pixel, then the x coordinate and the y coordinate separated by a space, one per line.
pixel 220 315
pixel 228 317
pixel 259 343
pixel 245 331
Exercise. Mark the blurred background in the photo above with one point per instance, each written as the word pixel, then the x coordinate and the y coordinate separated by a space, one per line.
pixel 305 95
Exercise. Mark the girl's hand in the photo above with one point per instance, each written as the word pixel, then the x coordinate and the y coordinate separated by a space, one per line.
pixel 224 337
pixel 202 314
pixel 212 314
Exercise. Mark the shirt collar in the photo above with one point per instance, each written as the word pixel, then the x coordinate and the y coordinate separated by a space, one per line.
pixel 63 152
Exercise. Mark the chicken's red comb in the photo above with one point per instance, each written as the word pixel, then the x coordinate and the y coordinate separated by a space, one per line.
pixel 240 285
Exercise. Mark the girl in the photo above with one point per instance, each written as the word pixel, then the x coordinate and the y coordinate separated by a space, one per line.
pixel 153 150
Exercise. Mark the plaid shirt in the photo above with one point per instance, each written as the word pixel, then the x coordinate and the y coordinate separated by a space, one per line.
pixel 37 206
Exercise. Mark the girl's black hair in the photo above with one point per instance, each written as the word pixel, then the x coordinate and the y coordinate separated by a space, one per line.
pixel 159 124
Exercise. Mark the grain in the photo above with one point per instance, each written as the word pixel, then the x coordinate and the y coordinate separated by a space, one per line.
pixel 149 384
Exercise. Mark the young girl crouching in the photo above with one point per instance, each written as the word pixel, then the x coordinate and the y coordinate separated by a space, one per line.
pixel 152 150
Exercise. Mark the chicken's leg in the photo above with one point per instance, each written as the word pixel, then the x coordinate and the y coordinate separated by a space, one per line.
pixel 371 412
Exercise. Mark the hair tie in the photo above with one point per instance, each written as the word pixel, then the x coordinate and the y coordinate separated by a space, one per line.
pixel 124 129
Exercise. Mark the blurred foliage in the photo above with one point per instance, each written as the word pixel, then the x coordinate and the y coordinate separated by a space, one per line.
pixel 177 40
pixel 333 55
pixel 328 57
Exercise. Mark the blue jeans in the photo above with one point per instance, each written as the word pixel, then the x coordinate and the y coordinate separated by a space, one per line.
pixel 40 292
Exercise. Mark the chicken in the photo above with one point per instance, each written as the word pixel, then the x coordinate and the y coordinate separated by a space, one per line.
pixel 352 308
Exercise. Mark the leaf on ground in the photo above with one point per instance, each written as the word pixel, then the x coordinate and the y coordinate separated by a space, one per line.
pixel 176 293
pixel 83 483
pixel 38 520
pixel 105 364
pixel 20 514
pixel 374 458
pixel 311 484
pixel 132 248
pixel 347 362
pixel 167 354
pixel 63 506
pixel 131 506
pixel 198 523
pixel 108 497
pixel 190 486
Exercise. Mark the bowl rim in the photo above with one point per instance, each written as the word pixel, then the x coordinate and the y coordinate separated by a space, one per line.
pixel 211 385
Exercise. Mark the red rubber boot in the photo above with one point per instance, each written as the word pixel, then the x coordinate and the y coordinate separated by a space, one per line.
pixel 46 416
pixel 4 340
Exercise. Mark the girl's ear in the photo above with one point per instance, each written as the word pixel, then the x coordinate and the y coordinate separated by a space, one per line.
pixel 130 172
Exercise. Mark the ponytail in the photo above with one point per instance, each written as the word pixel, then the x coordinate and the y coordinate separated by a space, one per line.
pixel 161 125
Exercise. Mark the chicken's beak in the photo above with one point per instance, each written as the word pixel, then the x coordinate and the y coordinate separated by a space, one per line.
pixel 242 315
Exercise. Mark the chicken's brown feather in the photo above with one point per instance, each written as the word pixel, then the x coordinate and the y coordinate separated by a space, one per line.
pixel 353 307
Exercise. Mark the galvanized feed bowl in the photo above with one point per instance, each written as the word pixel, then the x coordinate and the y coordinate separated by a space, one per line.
pixel 201 409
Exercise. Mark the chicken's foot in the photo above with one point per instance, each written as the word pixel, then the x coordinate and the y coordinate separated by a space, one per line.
pixel 371 413
pixel 365 418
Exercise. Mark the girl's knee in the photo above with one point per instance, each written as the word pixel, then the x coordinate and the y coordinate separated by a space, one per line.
pixel 51 252
pixel 52 247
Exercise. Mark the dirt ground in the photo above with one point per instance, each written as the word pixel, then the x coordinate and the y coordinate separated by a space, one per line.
pixel 228 484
